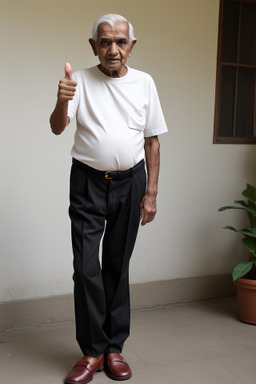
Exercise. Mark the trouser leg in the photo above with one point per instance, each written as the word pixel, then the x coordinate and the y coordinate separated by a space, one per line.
pixel 87 212
pixel 124 199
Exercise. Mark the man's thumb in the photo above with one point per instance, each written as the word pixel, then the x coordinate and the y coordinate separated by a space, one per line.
pixel 68 71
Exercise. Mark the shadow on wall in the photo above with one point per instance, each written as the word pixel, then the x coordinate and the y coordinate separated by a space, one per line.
pixel 249 166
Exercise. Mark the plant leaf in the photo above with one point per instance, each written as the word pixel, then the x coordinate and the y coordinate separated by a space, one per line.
pixel 241 269
pixel 249 232
pixel 252 229
pixel 241 202
pixel 250 193
pixel 250 244
pixel 228 207
pixel 252 211
pixel 231 228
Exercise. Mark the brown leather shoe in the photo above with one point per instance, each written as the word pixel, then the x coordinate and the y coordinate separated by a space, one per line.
pixel 116 367
pixel 83 371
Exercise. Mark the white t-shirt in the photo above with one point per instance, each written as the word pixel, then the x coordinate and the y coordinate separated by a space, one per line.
pixel 113 116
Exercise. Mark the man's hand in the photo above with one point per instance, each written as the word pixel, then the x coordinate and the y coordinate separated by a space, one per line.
pixel 67 86
pixel 148 208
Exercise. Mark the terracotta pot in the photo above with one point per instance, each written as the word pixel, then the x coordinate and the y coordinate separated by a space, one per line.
pixel 246 293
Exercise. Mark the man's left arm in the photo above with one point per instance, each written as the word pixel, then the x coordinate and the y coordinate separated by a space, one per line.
pixel 148 206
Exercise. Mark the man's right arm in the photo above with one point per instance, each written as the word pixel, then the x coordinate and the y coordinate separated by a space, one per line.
pixel 67 88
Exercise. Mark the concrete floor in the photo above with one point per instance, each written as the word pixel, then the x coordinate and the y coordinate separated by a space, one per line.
pixel 196 343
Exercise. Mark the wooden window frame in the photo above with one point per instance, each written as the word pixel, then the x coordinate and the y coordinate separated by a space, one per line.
pixel 216 138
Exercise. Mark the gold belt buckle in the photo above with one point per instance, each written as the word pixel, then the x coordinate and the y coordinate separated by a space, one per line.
pixel 107 177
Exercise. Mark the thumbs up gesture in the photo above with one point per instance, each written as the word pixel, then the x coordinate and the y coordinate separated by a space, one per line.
pixel 67 86
pixel 68 71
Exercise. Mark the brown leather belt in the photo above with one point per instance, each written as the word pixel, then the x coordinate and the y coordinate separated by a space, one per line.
pixel 110 175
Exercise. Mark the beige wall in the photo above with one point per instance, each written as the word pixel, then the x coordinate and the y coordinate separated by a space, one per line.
pixel 177 44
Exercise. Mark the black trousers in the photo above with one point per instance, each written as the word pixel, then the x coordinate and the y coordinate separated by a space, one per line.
pixel 103 205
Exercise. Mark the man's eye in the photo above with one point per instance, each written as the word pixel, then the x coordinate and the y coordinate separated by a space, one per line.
pixel 122 42
pixel 104 43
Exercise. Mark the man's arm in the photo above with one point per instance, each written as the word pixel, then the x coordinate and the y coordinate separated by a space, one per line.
pixel 67 88
pixel 148 205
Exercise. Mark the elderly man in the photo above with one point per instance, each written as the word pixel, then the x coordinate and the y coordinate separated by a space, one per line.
pixel 119 118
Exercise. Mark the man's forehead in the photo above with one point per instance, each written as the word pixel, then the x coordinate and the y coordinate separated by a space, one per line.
pixel 120 28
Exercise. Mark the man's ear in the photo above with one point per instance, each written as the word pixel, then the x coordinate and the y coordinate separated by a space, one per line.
pixel 93 45
pixel 131 47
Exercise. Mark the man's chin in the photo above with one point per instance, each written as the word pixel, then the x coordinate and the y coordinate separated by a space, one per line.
pixel 113 64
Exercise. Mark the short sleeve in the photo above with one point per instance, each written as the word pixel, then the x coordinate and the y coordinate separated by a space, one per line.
pixel 155 124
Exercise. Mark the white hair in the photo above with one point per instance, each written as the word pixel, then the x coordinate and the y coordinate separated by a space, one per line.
pixel 111 19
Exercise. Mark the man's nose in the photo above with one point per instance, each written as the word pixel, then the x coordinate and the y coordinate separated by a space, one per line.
pixel 113 49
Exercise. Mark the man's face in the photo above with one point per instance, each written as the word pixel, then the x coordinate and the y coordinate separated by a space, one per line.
pixel 113 48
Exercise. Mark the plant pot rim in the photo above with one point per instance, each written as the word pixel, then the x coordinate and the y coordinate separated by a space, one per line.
pixel 245 283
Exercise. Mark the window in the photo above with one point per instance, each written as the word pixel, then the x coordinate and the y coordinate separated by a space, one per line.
pixel 235 104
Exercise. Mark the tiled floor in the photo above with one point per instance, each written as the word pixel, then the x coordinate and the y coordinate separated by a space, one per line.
pixel 197 343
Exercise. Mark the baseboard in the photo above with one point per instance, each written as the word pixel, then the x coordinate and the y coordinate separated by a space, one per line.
pixel 59 309
pixel 164 293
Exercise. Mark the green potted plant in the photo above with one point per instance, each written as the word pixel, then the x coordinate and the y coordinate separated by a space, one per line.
pixel 244 274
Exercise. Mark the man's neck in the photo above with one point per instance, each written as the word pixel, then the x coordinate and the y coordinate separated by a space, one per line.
pixel 115 73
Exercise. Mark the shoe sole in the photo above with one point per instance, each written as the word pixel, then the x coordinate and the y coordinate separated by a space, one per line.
pixel 117 378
